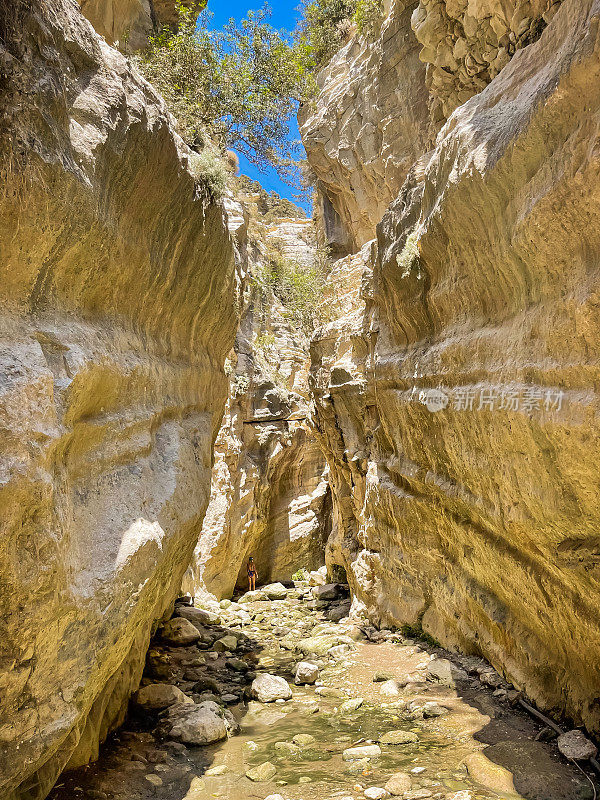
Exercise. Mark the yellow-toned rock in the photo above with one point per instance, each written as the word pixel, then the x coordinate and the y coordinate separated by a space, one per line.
pixel 456 398
pixel 118 288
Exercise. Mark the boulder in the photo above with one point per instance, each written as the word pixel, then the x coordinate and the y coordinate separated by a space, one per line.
pixel 398 737
pixel 398 784
pixel 375 793
pixel 199 725
pixel 197 616
pixel 328 591
pixel 317 578
pixel 362 751
pixel 351 705
pixel 275 591
pixel 263 772
pixel 319 645
pixel 268 688
pixel 228 642
pixel 443 671
pixel 432 709
pixel 180 632
pixel 303 739
pixel 158 696
pixel 390 688
pixel 252 597
pixel 287 748
pixel 575 745
pixel 306 673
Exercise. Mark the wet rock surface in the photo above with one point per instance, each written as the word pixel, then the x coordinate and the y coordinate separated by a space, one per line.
pixel 338 738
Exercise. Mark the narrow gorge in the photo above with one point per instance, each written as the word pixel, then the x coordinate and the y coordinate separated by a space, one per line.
pixel 388 401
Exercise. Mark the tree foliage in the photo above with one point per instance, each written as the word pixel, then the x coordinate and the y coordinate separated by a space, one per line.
pixel 239 86
pixel 325 25
pixel 300 288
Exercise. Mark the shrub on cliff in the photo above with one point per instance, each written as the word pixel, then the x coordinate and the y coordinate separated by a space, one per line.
pixel 300 288
pixel 368 16
pixel 211 170
pixel 240 85
pixel 325 25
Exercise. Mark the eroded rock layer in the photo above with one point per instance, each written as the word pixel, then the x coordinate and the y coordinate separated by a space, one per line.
pixel 367 126
pixel 467 42
pixel 457 403
pixel 118 286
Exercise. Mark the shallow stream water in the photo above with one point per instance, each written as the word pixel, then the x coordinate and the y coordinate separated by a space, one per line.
pixel 479 748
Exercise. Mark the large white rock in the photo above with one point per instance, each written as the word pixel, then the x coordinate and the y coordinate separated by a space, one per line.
pixel 268 688
pixel 362 751
pixel 275 591
pixel 306 673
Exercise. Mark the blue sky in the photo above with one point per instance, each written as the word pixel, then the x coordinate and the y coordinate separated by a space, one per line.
pixel 284 15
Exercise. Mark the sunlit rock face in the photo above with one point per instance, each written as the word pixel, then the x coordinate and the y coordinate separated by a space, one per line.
pixel 269 496
pixel 465 43
pixel 129 23
pixel 118 285
pixel 367 126
pixel 456 402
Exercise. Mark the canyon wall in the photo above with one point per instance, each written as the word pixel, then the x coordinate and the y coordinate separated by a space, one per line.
pixel 369 124
pixel 128 23
pixel 269 495
pixel 118 284
pixel 455 395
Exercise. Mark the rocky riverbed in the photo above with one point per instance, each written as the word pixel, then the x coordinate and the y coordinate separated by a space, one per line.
pixel 282 695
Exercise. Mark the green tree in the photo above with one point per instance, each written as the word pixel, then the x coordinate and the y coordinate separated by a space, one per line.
pixel 239 86
pixel 323 28
pixel 325 24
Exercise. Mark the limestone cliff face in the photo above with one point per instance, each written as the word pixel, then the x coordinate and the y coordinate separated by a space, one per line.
pixel 118 286
pixel 269 494
pixel 467 42
pixel 456 404
pixel 128 23
pixel 368 125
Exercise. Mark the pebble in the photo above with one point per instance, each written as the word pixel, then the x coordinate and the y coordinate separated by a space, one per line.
pixel 303 739
pixel 351 705
pixel 154 780
pixel 399 784
pixel 375 793
pixel 263 772
pixel 362 751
